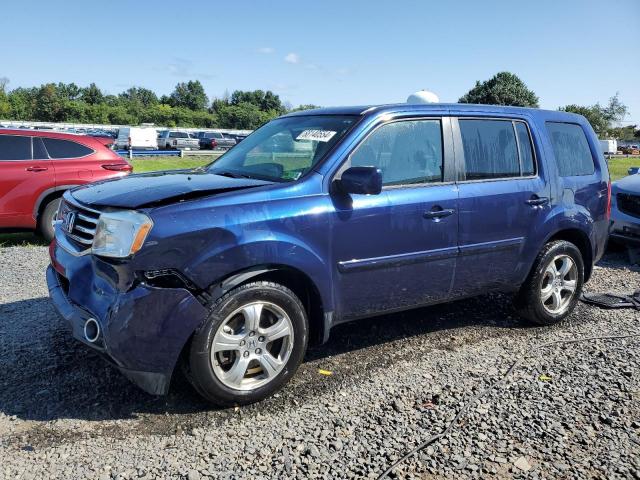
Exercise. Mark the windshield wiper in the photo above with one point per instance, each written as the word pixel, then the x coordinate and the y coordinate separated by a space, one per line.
pixel 227 173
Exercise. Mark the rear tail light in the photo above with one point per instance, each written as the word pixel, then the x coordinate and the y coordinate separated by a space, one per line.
pixel 214 144
pixel 118 167
pixel 609 200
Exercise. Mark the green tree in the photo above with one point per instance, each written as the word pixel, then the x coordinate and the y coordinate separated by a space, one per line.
pixel 48 105
pixel 4 81
pixel 68 91
pixel 22 101
pixel 92 95
pixel 139 95
pixel 628 133
pixel 189 95
pixel 504 88
pixel 604 120
pixel 615 111
pixel 244 116
pixel 265 101
pixel 5 106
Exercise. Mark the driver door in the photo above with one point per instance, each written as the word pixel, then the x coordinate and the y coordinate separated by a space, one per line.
pixel 398 249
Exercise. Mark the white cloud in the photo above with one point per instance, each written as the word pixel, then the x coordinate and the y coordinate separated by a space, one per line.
pixel 292 58
pixel 266 50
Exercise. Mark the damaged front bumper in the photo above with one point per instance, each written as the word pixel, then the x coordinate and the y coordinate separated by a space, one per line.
pixel 142 329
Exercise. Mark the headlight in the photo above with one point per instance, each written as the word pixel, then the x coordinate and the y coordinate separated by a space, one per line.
pixel 120 234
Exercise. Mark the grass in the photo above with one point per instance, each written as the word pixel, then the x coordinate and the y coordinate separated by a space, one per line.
pixel 618 166
pixel 153 164
pixel 24 239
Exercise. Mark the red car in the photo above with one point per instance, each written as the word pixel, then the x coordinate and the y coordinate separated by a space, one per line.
pixel 36 167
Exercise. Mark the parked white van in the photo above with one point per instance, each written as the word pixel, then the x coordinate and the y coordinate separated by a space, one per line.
pixel 609 147
pixel 137 138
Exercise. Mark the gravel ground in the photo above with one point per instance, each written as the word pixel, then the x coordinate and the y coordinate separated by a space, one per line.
pixel 566 411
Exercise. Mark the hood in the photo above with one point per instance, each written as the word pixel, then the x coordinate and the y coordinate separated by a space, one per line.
pixel 159 188
pixel 630 184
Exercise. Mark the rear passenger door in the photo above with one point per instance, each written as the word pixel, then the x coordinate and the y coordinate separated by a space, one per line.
pixel 67 160
pixel 398 249
pixel 503 198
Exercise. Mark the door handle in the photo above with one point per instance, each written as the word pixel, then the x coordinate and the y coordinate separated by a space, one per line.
pixel 537 201
pixel 36 169
pixel 436 213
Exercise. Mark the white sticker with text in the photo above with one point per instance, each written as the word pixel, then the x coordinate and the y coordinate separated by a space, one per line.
pixel 317 135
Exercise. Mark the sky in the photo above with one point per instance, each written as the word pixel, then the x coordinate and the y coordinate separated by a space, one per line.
pixel 346 52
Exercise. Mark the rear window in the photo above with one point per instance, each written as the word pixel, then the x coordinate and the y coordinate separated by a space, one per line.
pixel 490 149
pixel 571 149
pixel 179 135
pixel 65 148
pixel 14 147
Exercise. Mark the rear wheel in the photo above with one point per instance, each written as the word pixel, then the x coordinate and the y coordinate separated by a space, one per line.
pixel 251 345
pixel 46 219
pixel 553 287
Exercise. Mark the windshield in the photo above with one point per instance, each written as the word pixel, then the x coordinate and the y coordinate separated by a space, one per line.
pixel 285 149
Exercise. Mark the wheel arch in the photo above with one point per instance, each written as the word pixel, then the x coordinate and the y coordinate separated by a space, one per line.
pixel 45 197
pixel 294 279
pixel 582 241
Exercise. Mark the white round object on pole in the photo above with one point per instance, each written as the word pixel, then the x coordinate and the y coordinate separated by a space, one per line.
pixel 423 96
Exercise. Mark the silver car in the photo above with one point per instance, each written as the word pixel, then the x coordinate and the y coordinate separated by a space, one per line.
pixel 625 210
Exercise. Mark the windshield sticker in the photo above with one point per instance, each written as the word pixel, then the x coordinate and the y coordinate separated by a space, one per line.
pixel 317 135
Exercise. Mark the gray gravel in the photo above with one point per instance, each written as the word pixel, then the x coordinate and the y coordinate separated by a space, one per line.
pixel 569 411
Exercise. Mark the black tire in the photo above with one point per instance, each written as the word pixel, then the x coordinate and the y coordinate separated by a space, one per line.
pixel 200 371
pixel 46 218
pixel 529 301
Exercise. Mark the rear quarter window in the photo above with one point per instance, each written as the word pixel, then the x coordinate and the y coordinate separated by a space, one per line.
pixel 58 148
pixel 571 149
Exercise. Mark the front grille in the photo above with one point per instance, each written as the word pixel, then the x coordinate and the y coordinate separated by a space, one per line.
pixel 78 222
pixel 629 204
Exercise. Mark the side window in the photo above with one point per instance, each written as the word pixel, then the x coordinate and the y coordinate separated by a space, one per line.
pixel 39 152
pixel 571 149
pixel 490 149
pixel 15 147
pixel 407 152
pixel 65 148
pixel 526 150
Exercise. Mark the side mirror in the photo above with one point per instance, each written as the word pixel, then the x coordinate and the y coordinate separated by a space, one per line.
pixel 361 180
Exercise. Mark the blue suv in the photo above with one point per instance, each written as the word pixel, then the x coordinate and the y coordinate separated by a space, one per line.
pixel 321 217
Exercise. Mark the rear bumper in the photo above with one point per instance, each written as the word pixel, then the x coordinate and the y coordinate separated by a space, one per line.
pixel 142 329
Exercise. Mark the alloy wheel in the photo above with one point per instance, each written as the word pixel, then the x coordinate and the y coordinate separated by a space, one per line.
pixel 559 284
pixel 252 346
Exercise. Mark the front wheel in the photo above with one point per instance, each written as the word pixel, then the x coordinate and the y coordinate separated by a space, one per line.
pixel 251 345
pixel 554 285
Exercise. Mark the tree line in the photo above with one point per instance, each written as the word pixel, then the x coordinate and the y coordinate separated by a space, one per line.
pixel 189 106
